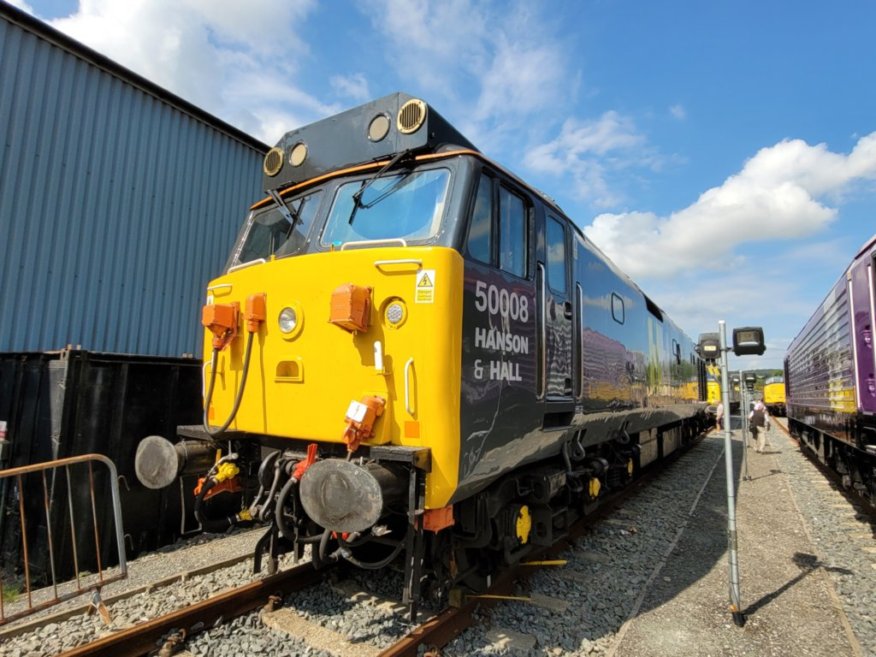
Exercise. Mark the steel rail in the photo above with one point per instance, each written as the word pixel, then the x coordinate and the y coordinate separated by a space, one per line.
pixel 147 637
pixel 441 629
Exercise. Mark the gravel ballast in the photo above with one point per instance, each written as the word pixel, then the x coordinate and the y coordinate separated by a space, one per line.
pixel 651 579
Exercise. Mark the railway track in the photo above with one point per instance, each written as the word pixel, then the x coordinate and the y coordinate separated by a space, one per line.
pixel 168 634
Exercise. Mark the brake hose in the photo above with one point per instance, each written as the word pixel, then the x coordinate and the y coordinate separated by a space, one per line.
pixel 279 516
pixel 209 396
pixel 371 565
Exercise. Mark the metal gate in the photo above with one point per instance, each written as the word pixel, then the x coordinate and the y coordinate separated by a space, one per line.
pixel 54 501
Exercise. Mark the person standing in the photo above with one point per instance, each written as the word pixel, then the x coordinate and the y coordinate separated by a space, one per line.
pixel 758 421
pixel 719 416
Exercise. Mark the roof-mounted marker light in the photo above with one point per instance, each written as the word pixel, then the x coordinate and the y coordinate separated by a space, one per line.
pixel 378 128
pixel 298 154
pixel 273 161
pixel 411 116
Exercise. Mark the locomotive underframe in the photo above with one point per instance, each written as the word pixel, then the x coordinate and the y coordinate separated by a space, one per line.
pixel 486 534
pixel 855 463
pixel 776 410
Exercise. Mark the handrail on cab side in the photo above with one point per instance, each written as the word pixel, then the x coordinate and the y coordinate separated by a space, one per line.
pixel 381 264
pixel 408 367
pixel 358 243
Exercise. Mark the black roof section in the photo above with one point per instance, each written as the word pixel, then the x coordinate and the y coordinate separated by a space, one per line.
pixel 77 49
pixel 386 127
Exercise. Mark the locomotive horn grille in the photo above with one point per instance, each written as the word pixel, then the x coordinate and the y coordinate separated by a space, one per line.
pixel 411 116
pixel 273 161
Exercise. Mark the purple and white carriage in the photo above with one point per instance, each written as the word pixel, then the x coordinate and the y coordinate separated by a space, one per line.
pixel 830 376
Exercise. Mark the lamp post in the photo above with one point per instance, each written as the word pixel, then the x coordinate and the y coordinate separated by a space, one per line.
pixel 735 594
pixel 748 340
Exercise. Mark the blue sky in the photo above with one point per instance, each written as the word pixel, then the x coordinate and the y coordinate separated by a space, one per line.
pixel 722 153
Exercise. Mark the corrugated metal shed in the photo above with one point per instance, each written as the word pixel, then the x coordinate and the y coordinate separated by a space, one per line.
pixel 118 200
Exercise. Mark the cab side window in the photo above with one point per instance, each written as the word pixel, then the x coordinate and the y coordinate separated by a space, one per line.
pixel 480 233
pixel 513 233
pixel 498 233
pixel 556 255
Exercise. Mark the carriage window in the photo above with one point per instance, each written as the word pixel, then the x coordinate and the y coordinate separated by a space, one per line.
pixel 556 255
pixel 512 233
pixel 480 234
pixel 617 308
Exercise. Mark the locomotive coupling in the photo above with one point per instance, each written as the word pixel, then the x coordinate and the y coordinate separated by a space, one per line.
pixel 158 462
pixel 343 496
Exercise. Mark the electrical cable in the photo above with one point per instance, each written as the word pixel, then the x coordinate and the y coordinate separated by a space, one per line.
pixel 238 397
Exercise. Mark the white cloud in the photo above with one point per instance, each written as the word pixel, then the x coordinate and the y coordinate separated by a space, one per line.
pixel 352 86
pixel 763 296
pixel 522 78
pixel 591 151
pixel 678 112
pixel 498 66
pixel 214 54
pixel 777 195
pixel 492 66
pixel 20 4
pixel 422 48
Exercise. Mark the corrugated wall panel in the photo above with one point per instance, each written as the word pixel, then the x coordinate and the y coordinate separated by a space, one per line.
pixel 116 205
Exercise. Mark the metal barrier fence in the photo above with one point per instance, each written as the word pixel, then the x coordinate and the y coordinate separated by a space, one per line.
pixel 59 486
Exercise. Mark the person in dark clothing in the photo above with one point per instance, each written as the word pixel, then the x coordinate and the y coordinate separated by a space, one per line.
pixel 759 423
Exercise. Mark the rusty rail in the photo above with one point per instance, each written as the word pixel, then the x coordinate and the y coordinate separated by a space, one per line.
pixel 146 637
pixel 47 503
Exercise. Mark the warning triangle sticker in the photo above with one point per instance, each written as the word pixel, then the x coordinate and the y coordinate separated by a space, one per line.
pixel 425 281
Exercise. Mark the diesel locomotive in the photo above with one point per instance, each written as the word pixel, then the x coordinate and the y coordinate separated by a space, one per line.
pixel 774 395
pixel 830 377
pixel 413 352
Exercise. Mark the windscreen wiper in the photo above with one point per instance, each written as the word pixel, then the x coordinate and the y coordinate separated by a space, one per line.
pixel 357 196
pixel 289 214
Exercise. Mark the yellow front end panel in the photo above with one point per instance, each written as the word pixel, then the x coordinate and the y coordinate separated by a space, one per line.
pixel 300 384
pixel 774 393
pixel 713 393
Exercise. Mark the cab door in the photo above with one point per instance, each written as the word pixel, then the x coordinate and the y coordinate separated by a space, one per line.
pixel 861 282
pixel 556 314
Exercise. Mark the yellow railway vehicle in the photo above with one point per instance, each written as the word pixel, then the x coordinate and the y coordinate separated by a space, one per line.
pixel 774 395
pixel 713 390
pixel 410 350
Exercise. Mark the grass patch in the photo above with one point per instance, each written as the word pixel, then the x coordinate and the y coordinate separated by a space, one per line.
pixel 10 594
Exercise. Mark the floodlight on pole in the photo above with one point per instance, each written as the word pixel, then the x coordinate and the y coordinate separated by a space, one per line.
pixel 735 595
pixel 748 341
